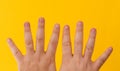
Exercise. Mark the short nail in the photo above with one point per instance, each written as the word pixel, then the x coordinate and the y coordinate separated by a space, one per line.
pixel 8 40
pixel 42 20
pixel 26 24
pixel 80 23
pixel 110 48
pixel 93 30
pixel 57 26
pixel 66 27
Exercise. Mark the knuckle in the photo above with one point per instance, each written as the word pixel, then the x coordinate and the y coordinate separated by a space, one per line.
pixel 55 31
pixel 50 59
pixel 53 43
pixel 102 61
pixel 27 30
pixel 39 39
pixel 89 49
pixel 78 42
pixel 17 52
pixel 66 43
pixel 41 26
pixel 29 44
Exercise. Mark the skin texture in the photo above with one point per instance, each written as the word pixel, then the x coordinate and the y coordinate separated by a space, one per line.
pixel 38 60
pixel 77 61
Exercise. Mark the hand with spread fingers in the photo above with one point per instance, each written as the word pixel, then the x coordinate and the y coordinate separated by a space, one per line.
pixel 36 60
pixel 77 61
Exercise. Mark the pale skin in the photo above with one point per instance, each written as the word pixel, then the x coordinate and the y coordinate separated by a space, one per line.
pixel 77 61
pixel 38 60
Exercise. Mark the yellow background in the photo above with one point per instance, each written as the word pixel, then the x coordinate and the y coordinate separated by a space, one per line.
pixel 101 14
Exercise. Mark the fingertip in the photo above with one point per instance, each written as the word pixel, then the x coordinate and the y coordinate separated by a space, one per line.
pixel 26 24
pixel 80 23
pixel 93 30
pixel 27 27
pixel 79 26
pixel 41 19
pixel 93 33
pixel 66 27
pixel 8 40
pixel 110 49
pixel 57 26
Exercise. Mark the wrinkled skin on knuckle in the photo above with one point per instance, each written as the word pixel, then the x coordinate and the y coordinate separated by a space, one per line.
pixel 66 44
pixel 89 48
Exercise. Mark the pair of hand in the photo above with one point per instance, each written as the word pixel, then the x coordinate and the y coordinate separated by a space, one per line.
pixel 41 60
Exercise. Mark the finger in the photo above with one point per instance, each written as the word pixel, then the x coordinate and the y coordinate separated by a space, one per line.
pixel 28 39
pixel 66 43
pixel 79 40
pixel 16 52
pixel 53 41
pixel 40 36
pixel 90 44
pixel 101 60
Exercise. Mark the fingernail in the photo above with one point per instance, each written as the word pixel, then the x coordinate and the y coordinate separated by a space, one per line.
pixel 8 40
pixel 110 48
pixel 93 30
pixel 42 20
pixel 80 23
pixel 26 24
pixel 66 27
pixel 57 25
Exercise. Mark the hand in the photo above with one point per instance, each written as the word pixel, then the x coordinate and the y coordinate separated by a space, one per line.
pixel 79 62
pixel 38 60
